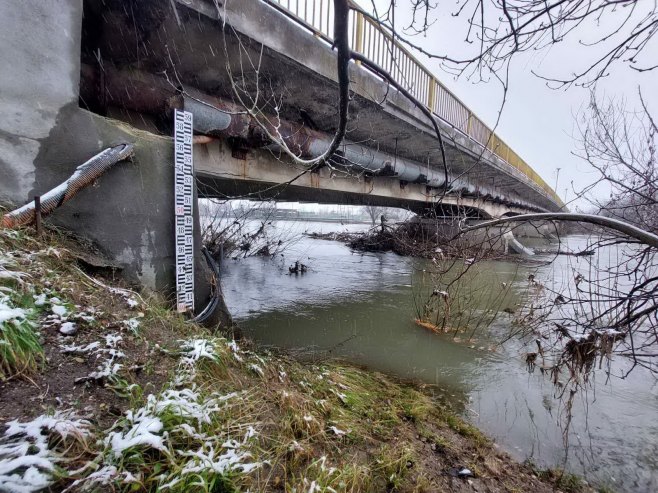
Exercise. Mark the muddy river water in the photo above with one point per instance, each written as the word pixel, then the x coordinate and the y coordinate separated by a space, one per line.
pixel 361 307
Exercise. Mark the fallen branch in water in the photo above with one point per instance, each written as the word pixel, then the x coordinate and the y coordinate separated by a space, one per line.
pixel 408 240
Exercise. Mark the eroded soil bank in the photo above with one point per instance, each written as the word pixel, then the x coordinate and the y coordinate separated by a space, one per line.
pixel 103 388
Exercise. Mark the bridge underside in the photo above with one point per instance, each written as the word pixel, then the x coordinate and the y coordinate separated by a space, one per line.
pixel 263 175
pixel 291 70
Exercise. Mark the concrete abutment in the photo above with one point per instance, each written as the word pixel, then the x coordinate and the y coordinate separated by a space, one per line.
pixel 45 135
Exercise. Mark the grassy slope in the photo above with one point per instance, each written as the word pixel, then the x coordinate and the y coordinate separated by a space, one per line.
pixel 187 410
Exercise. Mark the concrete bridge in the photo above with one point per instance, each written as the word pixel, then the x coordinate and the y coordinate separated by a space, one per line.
pixel 81 75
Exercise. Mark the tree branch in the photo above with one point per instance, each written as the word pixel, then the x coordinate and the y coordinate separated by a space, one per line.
pixel 606 222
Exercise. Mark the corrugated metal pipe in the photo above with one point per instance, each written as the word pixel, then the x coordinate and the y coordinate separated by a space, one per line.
pixel 84 175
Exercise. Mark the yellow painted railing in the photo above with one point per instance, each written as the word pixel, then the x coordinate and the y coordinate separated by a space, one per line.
pixel 378 45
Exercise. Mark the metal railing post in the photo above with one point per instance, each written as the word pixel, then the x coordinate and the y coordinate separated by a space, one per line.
pixel 358 19
pixel 37 214
pixel 431 98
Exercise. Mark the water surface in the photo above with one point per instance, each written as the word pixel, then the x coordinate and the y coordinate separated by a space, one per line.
pixel 361 307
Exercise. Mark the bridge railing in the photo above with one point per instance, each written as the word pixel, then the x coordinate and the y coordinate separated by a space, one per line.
pixel 378 44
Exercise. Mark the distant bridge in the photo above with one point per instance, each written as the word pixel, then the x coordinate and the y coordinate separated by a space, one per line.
pixel 86 74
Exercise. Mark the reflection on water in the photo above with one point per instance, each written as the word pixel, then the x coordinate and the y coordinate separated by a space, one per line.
pixel 361 307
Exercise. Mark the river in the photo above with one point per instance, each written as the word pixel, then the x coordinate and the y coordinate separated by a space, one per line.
pixel 361 308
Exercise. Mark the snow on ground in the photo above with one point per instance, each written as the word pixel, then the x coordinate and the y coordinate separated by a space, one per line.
pixel 27 463
pixel 132 324
pixel 9 269
pixel 102 477
pixel 235 350
pixel 337 431
pixel 73 349
pixel 109 367
pixel 180 415
pixel 257 369
pixel 8 312
pixel 195 349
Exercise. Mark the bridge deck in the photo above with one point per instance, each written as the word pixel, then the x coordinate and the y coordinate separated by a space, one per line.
pixel 377 43
pixel 296 76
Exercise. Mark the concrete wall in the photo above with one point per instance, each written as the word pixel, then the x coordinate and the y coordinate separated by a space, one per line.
pixel 40 56
pixel 44 136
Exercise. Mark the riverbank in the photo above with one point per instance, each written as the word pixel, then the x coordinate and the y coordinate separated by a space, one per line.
pixel 104 387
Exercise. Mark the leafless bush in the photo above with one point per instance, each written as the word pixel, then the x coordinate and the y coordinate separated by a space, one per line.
pixel 242 229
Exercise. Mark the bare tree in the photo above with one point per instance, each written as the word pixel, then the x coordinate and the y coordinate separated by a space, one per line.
pixel 243 231
pixel 610 308
pixel 611 31
pixel 621 146
pixel 374 213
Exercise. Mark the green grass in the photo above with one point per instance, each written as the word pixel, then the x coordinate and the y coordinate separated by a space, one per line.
pixel 393 464
pixel 20 350
pixel 570 483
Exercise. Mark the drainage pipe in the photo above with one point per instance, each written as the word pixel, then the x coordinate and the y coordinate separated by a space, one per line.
pixel 310 144
pixel 217 117
pixel 84 175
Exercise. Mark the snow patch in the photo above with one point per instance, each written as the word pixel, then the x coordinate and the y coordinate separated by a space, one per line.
pixel 132 324
pixel 40 300
pixel 196 349
pixel 337 432
pixel 27 464
pixel 144 431
pixel 10 313
pixel 14 275
pixel 151 428
pixel 73 349
pixel 220 459
pixel 68 328
pixel 235 350
pixel 109 367
pixel 257 369
pixel 59 310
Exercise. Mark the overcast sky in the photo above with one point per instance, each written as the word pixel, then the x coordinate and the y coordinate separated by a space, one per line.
pixel 537 122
